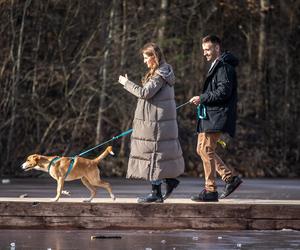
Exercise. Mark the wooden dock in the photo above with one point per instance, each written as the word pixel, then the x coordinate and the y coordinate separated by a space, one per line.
pixel 262 204
pixel 125 213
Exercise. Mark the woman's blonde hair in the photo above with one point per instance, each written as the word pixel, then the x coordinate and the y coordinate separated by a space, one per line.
pixel 152 50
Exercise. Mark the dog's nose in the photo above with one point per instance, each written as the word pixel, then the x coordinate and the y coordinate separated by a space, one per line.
pixel 24 165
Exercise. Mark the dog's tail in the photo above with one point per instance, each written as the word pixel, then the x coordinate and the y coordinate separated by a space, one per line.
pixel 107 151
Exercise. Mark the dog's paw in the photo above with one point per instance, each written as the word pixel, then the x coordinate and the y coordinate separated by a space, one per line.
pixel 66 192
pixel 113 197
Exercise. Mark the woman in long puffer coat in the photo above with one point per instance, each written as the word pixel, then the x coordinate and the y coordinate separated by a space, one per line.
pixel 156 153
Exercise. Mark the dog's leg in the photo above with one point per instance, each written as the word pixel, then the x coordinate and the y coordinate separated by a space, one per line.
pixel 90 187
pixel 106 185
pixel 60 184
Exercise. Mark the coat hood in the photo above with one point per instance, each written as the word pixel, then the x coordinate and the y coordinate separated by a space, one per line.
pixel 166 72
pixel 229 58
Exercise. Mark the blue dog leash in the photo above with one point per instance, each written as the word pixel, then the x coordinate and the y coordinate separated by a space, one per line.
pixel 120 135
pixel 57 158
pixel 73 158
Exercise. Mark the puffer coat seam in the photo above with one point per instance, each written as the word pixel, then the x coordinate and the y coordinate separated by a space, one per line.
pixel 149 140
pixel 165 120
pixel 144 159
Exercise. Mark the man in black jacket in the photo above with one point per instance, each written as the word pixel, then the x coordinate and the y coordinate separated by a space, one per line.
pixel 216 115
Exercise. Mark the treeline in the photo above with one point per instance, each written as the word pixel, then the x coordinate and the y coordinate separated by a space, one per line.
pixel 60 61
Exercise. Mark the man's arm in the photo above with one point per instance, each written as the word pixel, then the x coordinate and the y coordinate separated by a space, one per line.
pixel 224 87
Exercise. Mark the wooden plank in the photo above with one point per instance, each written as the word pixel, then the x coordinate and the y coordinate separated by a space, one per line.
pixel 221 216
pixel 146 223
pixel 216 210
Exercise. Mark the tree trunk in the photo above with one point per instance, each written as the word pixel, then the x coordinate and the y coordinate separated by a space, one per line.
pixel 15 77
pixel 162 21
pixel 261 102
pixel 124 34
pixel 104 74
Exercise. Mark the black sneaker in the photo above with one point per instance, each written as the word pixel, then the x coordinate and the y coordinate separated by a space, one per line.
pixel 205 196
pixel 230 186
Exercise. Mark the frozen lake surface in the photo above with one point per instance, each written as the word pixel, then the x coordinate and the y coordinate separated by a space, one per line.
pixel 147 240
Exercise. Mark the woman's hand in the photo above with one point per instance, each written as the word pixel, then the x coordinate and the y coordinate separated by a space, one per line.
pixel 123 79
pixel 195 100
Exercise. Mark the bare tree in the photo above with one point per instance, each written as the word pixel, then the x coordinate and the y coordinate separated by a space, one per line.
pixel 60 60
pixel 16 74
pixel 162 20
pixel 104 72
pixel 261 100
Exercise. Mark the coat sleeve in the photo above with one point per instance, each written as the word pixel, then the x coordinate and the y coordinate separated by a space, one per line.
pixel 148 90
pixel 224 86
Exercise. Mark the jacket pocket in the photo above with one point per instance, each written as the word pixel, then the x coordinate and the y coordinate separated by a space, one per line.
pixel 217 117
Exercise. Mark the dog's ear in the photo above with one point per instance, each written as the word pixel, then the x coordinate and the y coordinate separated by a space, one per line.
pixel 36 157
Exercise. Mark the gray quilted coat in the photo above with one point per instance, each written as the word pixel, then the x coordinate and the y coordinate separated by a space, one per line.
pixel 155 149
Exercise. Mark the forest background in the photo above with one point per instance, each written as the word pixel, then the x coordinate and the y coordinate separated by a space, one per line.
pixel 60 61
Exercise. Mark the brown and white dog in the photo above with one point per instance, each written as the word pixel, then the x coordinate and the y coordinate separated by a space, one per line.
pixel 84 169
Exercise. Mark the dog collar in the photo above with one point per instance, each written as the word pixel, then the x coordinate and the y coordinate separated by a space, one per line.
pixel 53 161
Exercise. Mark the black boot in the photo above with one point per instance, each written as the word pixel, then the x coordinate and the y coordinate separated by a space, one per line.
pixel 154 196
pixel 171 184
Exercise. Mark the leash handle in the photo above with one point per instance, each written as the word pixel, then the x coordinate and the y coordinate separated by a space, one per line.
pixel 201 112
